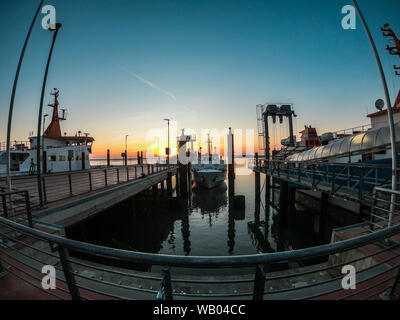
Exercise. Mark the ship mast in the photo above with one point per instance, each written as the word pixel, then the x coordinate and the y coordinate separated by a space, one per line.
pixel 54 129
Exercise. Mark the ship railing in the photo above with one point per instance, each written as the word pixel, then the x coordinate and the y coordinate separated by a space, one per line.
pixel 351 131
pixel 64 185
pixel 87 271
pixel 15 145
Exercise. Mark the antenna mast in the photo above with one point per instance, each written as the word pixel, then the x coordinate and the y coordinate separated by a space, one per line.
pixel 393 50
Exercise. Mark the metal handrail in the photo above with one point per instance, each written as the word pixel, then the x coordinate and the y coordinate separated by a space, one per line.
pixel 204 262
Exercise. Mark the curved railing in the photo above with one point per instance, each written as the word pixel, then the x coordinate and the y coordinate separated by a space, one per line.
pixel 377 269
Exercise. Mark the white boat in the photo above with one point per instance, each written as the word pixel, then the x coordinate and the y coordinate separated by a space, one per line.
pixel 210 172
pixel 60 153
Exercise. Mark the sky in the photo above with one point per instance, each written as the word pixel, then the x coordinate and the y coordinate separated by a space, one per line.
pixel 123 66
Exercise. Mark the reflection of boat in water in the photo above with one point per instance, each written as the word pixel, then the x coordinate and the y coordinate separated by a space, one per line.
pixel 210 172
pixel 210 201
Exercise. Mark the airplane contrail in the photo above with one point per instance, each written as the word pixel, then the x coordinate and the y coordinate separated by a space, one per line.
pixel 151 84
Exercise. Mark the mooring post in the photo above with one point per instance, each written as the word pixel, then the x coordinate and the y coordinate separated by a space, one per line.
pixel 169 185
pixel 189 174
pixel 108 157
pixel 231 153
pixel 177 184
pixel 284 203
pixel 183 168
pixel 257 186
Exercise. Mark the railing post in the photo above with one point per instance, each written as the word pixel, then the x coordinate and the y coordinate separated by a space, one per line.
pixel 259 283
pixel 105 178
pixel 118 175
pixel 4 199
pixel 372 217
pixel 135 172
pixel 70 184
pixel 44 190
pixel 152 168
pixel 127 173
pixel 313 175
pixel 90 181
pixel 299 172
pixel 167 283
pixel 392 293
pixel 360 193
pixel 69 277
pixel 28 208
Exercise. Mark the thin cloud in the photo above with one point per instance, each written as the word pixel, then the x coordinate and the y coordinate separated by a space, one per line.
pixel 151 84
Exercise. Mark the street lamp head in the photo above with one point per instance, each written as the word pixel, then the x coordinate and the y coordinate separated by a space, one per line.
pixel 54 26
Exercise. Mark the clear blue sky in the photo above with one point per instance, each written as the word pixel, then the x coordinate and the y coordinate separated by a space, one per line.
pixel 212 62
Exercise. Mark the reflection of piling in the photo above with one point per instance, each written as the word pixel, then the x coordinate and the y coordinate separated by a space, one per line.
pixel 189 173
pixel 257 180
pixel 257 212
pixel 231 232
pixel 183 180
pixel 185 228
pixel 284 203
pixel 231 168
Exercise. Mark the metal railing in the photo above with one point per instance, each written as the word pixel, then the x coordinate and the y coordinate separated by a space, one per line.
pixel 59 186
pixel 117 275
pixel 382 211
pixel 352 181
pixel 16 205
pixel 351 131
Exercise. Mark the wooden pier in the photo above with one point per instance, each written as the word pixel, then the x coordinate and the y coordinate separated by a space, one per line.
pixel 71 197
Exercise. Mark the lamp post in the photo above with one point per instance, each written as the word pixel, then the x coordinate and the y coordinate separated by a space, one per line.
pixel 10 112
pixel 126 149
pixel 168 150
pixel 44 121
pixel 54 28
pixel 389 110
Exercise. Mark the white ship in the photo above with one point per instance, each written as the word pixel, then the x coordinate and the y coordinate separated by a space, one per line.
pixel 210 171
pixel 60 152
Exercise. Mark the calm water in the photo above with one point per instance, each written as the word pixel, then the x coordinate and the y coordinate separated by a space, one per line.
pixel 204 225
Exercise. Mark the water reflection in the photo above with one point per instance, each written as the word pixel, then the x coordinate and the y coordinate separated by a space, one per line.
pixel 208 224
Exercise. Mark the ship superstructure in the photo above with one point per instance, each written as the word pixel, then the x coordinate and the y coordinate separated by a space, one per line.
pixel 60 152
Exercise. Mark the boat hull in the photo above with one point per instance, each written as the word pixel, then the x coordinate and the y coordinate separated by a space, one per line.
pixel 209 179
